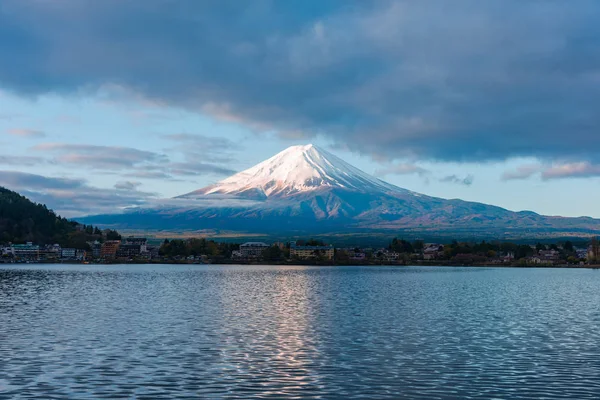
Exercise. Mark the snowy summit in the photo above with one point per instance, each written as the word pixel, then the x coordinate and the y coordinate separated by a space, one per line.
pixel 297 169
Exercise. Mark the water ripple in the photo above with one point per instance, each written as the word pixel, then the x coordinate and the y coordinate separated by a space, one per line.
pixel 239 332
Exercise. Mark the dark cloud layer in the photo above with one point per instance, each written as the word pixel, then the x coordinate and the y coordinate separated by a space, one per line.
pixel 32 181
pixel 461 80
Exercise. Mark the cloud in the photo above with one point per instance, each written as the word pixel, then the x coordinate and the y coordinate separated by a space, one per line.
pixel 127 185
pixel 8 116
pixel 467 181
pixel 571 170
pixel 557 170
pixel 402 169
pixel 522 172
pixel 18 180
pixel 487 80
pixel 102 157
pixel 207 202
pixel 198 168
pixel 203 142
pixel 20 160
pixel 72 197
pixel 143 164
pixel 219 150
pixel 149 175
pixel 26 133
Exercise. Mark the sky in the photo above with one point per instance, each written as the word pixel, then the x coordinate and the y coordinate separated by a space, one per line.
pixel 111 104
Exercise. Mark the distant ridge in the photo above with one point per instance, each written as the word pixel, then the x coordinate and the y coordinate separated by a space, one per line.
pixel 305 189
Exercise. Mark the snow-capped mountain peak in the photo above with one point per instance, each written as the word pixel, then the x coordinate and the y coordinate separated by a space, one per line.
pixel 297 169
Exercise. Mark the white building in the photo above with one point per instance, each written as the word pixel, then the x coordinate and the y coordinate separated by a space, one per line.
pixel 68 253
pixel 253 249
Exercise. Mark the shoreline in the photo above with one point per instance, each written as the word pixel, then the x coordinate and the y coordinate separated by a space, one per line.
pixel 307 264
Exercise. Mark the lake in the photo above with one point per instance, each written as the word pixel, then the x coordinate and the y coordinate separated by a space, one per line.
pixel 198 331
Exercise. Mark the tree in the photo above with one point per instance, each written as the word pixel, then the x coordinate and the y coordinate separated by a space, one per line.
pixel 572 260
pixel 595 250
pixel 22 220
pixel 568 246
pixel 112 235
pixel 418 245
pixel 539 247
pixel 272 253
pixel 401 246
pixel 523 251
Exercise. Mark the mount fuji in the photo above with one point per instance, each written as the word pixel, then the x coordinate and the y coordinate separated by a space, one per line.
pixel 307 190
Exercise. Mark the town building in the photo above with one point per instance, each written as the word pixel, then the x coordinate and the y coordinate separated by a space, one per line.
pixel 152 252
pixel 80 254
pixel 357 256
pixel 96 248
pixel 7 251
pixel 50 252
pixel 391 256
pixel 68 254
pixel 252 249
pixel 137 241
pixel 432 251
pixel 508 257
pixel 130 250
pixel 311 252
pixel 27 251
pixel 109 249
pixel 549 256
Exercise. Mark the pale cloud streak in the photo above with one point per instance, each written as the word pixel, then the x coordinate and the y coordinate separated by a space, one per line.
pixel 571 170
pixel 100 157
pixel 402 169
pixel 522 172
pixel 26 133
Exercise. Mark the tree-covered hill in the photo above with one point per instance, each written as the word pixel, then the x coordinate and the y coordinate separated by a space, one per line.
pixel 22 220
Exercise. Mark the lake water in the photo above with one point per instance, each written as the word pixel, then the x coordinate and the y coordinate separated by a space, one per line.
pixel 197 331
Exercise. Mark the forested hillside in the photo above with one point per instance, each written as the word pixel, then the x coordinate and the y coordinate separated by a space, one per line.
pixel 22 220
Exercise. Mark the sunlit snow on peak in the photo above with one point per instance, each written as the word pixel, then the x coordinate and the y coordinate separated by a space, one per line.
pixel 297 169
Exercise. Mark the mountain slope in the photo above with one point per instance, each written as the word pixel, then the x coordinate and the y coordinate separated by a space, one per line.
pixel 305 189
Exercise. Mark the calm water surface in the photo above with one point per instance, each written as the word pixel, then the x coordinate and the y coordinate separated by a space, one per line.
pixel 269 332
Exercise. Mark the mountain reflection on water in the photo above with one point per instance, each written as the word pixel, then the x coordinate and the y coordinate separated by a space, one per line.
pixel 243 332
